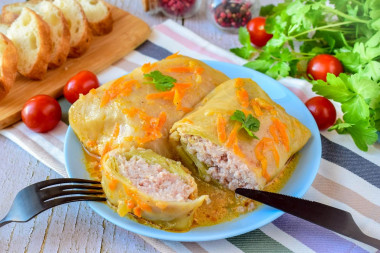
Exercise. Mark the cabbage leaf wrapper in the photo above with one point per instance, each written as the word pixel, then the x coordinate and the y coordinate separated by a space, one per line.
pixel 238 136
pixel 152 189
pixel 133 111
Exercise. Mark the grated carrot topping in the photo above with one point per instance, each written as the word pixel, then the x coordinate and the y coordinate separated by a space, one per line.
pixel 273 132
pixel 130 204
pixel 107 147
pixel 130 112
pixel 117 88
pixel 152 127
pixel 92 91
pixel 281 128
pixel 175 55
pixel 116 130
pixel 187 121
pixel 112 185
pixel 276 156
pixel 264 104
pixel 199 70
pixel 256 108
pixel 176 94
pixel 128 139
pixel 186 109
pixel 221 128
pixel 91 143
pixel 243 97
pixel 239 83
pixel 137 211
pixel 237 150
pixel 144 206
pixel 259 152
pixel 233 135
pixel 147 67
pixel 168 95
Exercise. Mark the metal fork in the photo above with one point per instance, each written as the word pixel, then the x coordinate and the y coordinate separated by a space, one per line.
pixel 41 196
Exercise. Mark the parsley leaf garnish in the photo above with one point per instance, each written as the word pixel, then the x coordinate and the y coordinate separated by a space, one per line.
pixel 249 123
pixel 160 81
pixel 247 49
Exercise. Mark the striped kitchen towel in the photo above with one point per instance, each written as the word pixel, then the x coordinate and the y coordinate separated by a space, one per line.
pixel 347 178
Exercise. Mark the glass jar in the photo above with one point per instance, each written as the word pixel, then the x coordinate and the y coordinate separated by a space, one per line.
pixel 229 15
pixel 173 8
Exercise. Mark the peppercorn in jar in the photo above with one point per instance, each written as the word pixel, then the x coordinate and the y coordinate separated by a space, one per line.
pixel 231 14
pixel 173 8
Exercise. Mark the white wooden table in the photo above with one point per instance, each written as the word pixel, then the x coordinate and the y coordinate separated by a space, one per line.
pixel 75 227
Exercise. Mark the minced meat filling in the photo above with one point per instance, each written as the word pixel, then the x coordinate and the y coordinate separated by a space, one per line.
pixel 154 180
pixel 224 165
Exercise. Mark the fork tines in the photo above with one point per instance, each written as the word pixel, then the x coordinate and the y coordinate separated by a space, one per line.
pixel 56 191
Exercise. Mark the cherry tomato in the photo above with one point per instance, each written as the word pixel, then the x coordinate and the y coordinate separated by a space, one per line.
pixel 41 113
pixel 81 83
pixel 323 111
pixel 320 65
pixel 257 33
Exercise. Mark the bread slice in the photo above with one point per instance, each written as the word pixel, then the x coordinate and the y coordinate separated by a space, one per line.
pixel 53 16
pixel 4 28
pixel 8 65
pixel 79 29
pixel 99 16
pixel 10 12
pixel 59 31
pixel 31 36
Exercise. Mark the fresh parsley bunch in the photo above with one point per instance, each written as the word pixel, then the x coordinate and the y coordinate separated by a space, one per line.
pixel 347 29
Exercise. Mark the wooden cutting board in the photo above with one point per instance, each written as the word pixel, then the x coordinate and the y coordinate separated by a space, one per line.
pixel 128 32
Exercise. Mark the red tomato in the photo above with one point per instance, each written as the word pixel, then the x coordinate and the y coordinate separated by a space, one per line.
pixel 41 113
pixel 81 83
pixel 257 33
pixel 323 111
pixel 320 65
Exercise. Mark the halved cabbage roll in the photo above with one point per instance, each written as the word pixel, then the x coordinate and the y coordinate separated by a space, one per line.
pixel 151 187
pixel 237 136
pixel 138 109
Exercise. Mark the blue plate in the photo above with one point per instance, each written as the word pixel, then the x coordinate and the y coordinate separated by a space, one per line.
pixel 297 185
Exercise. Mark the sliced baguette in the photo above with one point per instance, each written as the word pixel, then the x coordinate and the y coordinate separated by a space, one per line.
pixel 99 16
pixel 31 36
pixel 8 65
pixel 53 16
pixel 79 28
pixel 4 28
pixel 59 32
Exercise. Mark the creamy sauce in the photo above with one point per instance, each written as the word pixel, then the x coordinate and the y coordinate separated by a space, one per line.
pixel 224 206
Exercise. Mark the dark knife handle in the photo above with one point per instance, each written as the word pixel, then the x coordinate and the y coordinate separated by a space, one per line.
pixel 323 215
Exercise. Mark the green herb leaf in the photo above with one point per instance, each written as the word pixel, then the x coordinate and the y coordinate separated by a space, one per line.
pixel 266 10
pixel 335 88
pixel 249 123
pixel 247 50
pixel 160 81
pixel 363 134
pixel 340 127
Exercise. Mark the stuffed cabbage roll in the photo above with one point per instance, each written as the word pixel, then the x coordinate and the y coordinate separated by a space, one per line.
pixel 238 137
pixel 138 109
pixel 151 187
